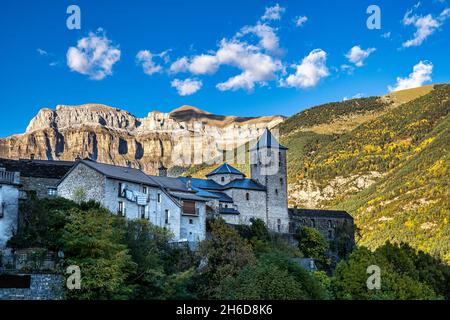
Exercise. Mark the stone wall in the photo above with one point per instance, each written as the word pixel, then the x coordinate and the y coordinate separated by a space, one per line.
pixel 255 207
pixel 83 178
pixel 9 197
pixel 38 185
pixel 42 287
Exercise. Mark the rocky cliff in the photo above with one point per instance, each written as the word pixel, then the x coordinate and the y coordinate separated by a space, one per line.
pixel 116 136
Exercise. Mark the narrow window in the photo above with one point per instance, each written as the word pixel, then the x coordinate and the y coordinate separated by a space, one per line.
pixel 121 209
pixel 330 224
pixel 276 191
pixel 222 179
pixel 167 216
pixel 144 190
pixel 281 181
pixel 142 211
pixel 2 210
pixel 313 223
pixel 159 197
pixel 247 196
pixel 191 221
pixel 279 225
pixel 120 191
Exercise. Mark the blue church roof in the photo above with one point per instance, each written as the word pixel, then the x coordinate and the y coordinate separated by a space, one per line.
pixel 267 140
pixel 225 169
pixel 203 183
pixel 244 184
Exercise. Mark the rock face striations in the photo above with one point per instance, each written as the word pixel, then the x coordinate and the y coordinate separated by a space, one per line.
pixel 115 136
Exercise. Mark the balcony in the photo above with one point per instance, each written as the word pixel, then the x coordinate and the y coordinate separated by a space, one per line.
pixel 9 177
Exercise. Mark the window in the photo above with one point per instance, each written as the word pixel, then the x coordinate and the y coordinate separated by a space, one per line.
pixel 2 210
pixel 189 207
pixel 142 211
pixel 120 190
pixel 121 208
pixel 279 225
pixel 276 191
pixel 159 197
pixel 281 181
pixel 330 234
pixel 144 190
pixel 52 192
pixel 167 216
pixel 247 196
pixel 313 223
pixel 222 179
pixel 330 225
pixel 191 221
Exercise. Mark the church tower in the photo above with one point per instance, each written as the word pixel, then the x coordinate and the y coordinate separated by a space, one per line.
pixel 268 167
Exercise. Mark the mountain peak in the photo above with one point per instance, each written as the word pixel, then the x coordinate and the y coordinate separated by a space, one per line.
pixel 189 109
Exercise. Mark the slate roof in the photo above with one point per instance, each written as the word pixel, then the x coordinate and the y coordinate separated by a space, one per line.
pixel 188 196
pixel 223 197
pixel 336 214
pixel 267 140
pixel 228 211
pixel 225 169
pixel 174 184
pixel 244 184
pixel 50 169
pixel 203 183
pixel 120 173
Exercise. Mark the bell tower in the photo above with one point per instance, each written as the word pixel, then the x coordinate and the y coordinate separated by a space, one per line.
pixel 268 167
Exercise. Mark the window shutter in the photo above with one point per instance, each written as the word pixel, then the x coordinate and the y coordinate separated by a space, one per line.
pixel 189 207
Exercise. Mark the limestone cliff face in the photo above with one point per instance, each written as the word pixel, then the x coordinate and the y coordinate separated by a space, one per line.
pixel 115 136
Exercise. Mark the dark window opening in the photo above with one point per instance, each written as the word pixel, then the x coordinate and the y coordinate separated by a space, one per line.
pixel 159 197
pixel 247 196
pixel 276 191
pixel 144 190
pixel 222 179
pixel 330 225
pixel 189 207
pixel 167 216
pixel 313 223
pixel 121 209
pixel 191 221
pixel 120 191
pixel 142 211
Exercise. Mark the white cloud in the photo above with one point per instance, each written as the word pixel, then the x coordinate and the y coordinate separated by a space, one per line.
pixel 187 87
pixel 300 20
pixel 146 59
pixel 256 67
pixel 357 55
pixel 94 56
pixel 421 74
pixel 204 64
pixel 268 38
pixel 425 26
pixel 309 72
pixel 181 65
pixel 273 13
pixel 386 35
pixel 356 96
pixel 42 52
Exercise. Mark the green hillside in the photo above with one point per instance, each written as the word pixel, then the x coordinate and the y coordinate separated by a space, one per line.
pixel 383 159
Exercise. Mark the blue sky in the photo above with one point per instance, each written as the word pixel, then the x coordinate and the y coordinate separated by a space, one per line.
pixel 243 58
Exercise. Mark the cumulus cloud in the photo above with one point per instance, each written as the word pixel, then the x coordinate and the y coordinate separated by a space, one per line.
pixel 94 56
pixel 425 25
pixel 147 60
pixel 256 67
pixel 309 72
pixel 421 74
pixel 187 87
pixel 273 13
pixel 300 20
pixel 357 55
pixel 268 38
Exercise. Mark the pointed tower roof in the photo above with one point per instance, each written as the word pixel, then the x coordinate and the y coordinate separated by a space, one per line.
pixel 267 140
pixel 225 169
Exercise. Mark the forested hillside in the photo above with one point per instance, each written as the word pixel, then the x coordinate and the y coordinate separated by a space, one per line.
pixel 384 159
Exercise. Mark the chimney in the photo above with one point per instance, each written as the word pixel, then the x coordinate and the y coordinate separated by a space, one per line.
pixel 189 183
pixel 162 171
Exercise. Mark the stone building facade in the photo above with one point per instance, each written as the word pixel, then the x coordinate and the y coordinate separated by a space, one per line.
pixel 133 194
pixel 9 204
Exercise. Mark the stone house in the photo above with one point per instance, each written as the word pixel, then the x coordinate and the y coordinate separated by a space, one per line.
pixel 38 177
pixel 165 202
pixel 9 204
pixel 328 222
